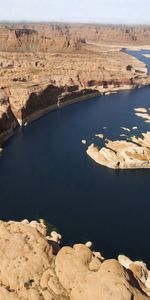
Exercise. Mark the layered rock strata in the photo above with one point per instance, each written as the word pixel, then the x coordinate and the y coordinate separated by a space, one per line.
pixel 31 40
pixel 131 35
pixel 40 74
pixel 7 120
pixel 32 269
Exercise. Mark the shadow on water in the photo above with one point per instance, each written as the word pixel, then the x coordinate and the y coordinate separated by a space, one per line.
pixel 45 172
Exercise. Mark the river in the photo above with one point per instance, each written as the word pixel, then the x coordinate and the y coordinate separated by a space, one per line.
pixel 45 172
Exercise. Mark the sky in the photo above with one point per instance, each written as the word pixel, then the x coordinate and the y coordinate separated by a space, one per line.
pixel 94 11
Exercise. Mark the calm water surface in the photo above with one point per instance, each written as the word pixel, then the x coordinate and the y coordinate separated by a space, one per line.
pixel 45 172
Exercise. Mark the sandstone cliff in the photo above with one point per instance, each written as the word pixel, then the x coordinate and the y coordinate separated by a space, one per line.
pixel 41 71
pixel 51 37
pixel 30 270
pixel 109 34
pixel 7 119
pixel 27 39
pixel 133 35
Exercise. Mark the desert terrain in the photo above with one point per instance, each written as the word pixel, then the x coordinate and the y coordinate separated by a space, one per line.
pixel 47 66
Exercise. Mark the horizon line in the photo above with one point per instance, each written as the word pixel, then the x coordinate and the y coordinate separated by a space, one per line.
pixel 73 22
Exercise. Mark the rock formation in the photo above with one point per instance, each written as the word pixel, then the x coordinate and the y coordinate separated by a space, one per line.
pixel 146 55
pixel 143 113
pixel 7 120
pixel 30 40
pixel 41 71
pixel 134 154
pixel 30 270
pixel 131 35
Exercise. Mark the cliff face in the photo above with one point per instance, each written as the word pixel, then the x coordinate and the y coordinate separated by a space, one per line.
pixel 7 120
pixel 133 35
pixel 27 39
pixel 50 37
pixel 113 34
pixel 43 72
pixel 30 270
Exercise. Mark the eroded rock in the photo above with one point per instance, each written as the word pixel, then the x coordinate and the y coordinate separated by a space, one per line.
pixel 30 271
pixel 123 154
pixel 45 68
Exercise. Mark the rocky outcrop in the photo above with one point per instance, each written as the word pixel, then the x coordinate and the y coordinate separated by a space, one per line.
pixel 31 271
pixel 134 154
pixel 143 113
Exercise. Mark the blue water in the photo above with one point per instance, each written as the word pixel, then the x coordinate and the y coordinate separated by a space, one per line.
pixel 45 172
pixel 139 55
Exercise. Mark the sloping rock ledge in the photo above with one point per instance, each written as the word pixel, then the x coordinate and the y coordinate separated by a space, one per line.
pixel 34 267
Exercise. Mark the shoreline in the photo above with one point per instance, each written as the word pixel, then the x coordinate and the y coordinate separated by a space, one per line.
pixel 40 113
pixel 138 48
pixel 8 133
pixel 102 92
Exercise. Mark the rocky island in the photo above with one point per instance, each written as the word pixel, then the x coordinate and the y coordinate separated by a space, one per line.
pixel 131 153
pixel 35 267
pixel 44 67
pixel 134 154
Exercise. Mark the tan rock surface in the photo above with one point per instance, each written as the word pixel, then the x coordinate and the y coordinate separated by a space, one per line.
pixel 30 271
pixel 146 55
pixel 131 35
pixel 143 113
pixel 21 39
pixel 45 68
pixel 123 154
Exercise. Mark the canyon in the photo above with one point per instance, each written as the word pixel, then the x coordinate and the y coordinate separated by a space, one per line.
pixel 35 266
pixel 109 34
pixel 45 67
